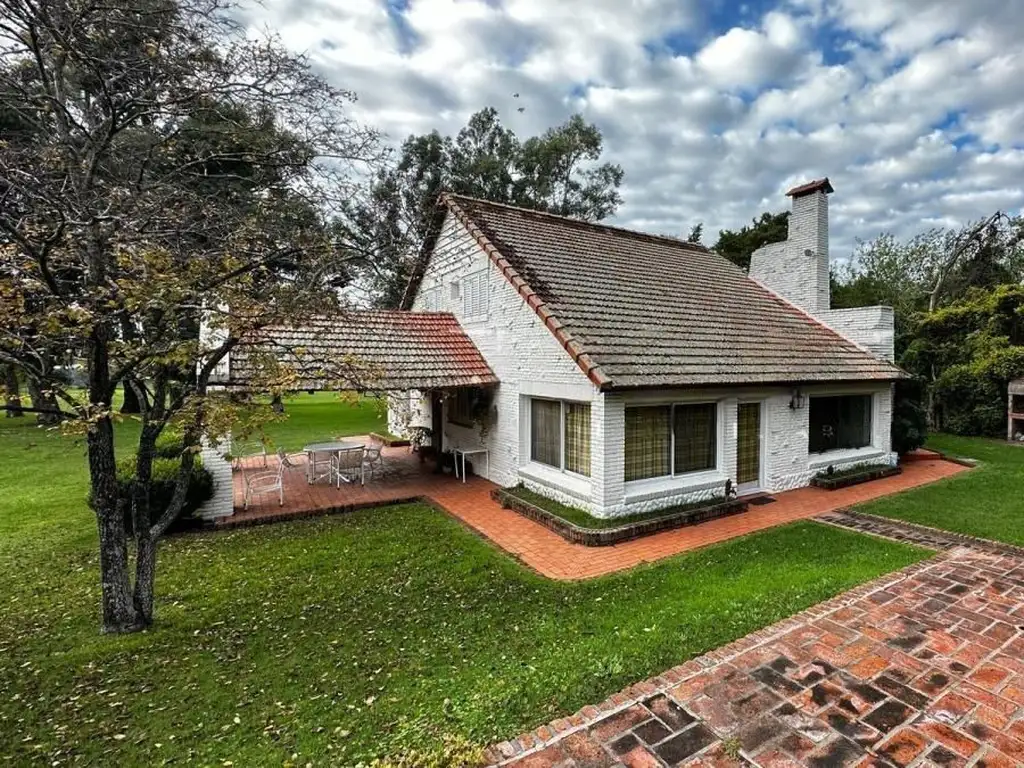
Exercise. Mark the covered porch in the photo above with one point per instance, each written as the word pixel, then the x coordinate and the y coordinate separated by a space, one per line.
pixel 417 356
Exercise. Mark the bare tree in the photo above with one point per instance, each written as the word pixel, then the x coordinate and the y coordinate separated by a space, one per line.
pixel 165 168
pixel 958 247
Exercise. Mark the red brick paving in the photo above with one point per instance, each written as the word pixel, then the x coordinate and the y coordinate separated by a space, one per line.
pixel 543 550
pixel 920 668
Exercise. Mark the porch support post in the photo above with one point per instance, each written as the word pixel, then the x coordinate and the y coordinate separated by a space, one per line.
pixel 607 453
pixel 730 436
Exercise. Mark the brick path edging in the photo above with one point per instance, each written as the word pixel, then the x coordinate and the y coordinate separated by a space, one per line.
pixel 545 735
pixel 954 538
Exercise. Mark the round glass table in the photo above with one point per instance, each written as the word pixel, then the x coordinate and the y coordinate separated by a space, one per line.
pixel 318 454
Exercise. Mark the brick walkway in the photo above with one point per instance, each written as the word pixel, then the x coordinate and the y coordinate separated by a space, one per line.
pixel 924 667
pixel 543 550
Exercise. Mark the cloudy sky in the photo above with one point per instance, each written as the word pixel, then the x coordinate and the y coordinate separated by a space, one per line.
pixel 913 108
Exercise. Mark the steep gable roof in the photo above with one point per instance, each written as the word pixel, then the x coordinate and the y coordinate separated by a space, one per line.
pixel 639 310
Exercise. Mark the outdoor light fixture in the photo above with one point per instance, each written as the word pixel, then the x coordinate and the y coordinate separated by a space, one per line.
pixel 796 400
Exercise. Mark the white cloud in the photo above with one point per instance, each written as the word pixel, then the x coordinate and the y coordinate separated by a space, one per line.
pixel 912 107
pixel 748 58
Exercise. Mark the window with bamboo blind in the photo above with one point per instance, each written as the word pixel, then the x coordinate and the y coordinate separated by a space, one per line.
pixel 667 440
pixel 560 435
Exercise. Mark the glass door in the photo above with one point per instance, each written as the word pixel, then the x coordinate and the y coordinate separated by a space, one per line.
pixel 748 448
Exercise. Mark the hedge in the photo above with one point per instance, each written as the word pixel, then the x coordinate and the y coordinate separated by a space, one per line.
pixel 165 473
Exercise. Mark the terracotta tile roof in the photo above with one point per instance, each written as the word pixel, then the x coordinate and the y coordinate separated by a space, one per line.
pixel 811 186
pixel 369 350
pixel 638 310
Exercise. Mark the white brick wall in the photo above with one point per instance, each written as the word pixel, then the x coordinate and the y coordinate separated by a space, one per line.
pixel 222 503
pixel 873 328
pixel 407 409
pixel 522 353
pixel 791 466
pixel 786 462
pixel 786 269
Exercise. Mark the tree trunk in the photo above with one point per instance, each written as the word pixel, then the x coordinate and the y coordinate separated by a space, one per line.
pixel 145 542
pixel 119 613
pixel 145 572
pixel 46 402
pixel 13 392
pixel 131 400
pixel 276 404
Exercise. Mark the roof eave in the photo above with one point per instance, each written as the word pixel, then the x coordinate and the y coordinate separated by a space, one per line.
pixel 780 382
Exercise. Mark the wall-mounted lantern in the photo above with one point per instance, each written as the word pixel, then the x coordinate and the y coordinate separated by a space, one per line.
pixel 796 400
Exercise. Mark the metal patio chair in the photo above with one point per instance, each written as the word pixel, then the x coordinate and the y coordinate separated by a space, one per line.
pixel 347 465
pixel 373 461
pixel 263 483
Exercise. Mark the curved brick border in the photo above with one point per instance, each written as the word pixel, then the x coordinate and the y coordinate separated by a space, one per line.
pixel 605 537
pixel 545 735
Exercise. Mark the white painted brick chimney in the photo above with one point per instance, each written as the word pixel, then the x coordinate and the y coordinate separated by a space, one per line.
pixel 798 271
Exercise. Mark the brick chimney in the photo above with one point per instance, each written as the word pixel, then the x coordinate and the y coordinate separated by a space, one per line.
pixel 798 269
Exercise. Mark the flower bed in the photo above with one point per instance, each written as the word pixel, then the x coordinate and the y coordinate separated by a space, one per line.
pixel 630 527
pixel 854 476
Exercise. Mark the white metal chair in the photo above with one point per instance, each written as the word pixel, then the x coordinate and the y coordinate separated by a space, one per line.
pixel 265 482
pixel 373 461
pixel 346 465
pixel 286 460
pixel 242 450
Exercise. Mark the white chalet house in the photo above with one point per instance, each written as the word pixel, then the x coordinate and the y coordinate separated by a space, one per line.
pixel 635 372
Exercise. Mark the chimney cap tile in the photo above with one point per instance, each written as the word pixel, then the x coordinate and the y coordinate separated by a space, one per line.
pixel 822 185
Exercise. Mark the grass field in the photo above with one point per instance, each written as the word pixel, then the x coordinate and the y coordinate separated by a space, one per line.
pixel 336 640
pixel 988 501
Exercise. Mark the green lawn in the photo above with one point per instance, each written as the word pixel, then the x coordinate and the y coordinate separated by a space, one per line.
pixel 322 416
pixel 986 502
pixel 345 638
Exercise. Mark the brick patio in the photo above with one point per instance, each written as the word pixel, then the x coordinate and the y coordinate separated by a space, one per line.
pixel 924 667
pixel 535 545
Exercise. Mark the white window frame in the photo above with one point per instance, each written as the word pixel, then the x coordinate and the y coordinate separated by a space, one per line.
pixel 673 475
pixel 561 436
pixel 476 284
pixel 839 457
pixel 818 456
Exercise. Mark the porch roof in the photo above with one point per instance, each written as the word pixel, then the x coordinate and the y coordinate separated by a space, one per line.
pixel 378 350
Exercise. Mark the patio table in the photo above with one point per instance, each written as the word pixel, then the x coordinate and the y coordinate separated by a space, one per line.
pixel 329 448
pixel 462 453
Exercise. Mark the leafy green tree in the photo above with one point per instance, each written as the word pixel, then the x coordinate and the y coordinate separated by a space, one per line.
pixel 970 350
pixel 909 416
pixel 738 246
pixel 696 233
pixel 558 172
pixel 171 167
